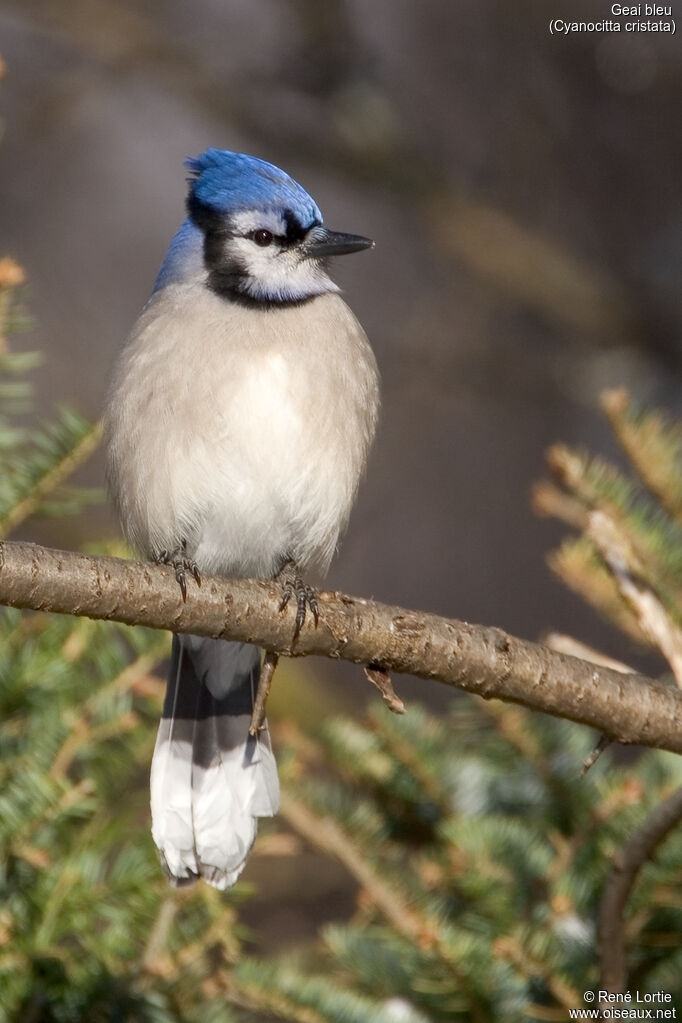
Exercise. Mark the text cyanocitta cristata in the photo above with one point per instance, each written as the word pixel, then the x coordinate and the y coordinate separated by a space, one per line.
pixel 237 427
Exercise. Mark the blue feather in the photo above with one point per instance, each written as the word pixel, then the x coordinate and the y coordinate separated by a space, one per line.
pixel 228 182
pixel 185 253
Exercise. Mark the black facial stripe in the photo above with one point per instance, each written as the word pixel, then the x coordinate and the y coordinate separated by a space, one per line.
pixel 214 256
pixel 230 277
pixel 295 232
pixel 206 218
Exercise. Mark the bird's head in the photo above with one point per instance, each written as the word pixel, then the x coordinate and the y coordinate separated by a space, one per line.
pixel 264 239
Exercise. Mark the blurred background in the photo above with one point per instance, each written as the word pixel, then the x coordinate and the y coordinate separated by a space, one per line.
pixel 523 191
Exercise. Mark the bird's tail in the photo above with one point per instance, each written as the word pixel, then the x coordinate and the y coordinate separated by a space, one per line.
pixel 210 779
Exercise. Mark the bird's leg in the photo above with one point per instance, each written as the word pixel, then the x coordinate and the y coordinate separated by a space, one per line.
pixel 264 681
pixel 293 586
pixel 178 560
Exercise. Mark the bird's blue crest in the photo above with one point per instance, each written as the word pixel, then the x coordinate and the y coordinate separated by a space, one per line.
pixel 228 182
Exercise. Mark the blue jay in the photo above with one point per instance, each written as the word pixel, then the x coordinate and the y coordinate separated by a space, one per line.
pixel 237 427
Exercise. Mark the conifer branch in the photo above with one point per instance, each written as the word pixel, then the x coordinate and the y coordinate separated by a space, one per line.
pixel 479 659
pixel 50 480
pixel 652 443
pixel 628 863
pixel 258 998
pixel 651 614
pixel 408 919
pixel 326 835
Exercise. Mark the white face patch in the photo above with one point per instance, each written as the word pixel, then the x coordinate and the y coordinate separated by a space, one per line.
pixel 273 272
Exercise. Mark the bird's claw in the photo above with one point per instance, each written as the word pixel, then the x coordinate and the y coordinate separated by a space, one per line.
pixel 293 586
pixel 181 564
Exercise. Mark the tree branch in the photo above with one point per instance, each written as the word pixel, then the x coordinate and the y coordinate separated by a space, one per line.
pixel 628 862
pixel 652 616
pixel 630 708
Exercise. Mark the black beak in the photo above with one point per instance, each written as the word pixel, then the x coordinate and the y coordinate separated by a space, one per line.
pixel 322 242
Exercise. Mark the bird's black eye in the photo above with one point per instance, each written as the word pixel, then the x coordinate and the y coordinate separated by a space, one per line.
pixel 262 237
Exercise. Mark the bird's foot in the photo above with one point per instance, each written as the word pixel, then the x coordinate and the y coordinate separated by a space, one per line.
pixel 181 564
pixel 293 586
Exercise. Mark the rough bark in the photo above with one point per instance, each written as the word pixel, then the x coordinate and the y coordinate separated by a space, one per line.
pixel 630 708
pixel 639 849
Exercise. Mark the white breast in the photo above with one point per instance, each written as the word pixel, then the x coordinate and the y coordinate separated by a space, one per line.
pixel 242 430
